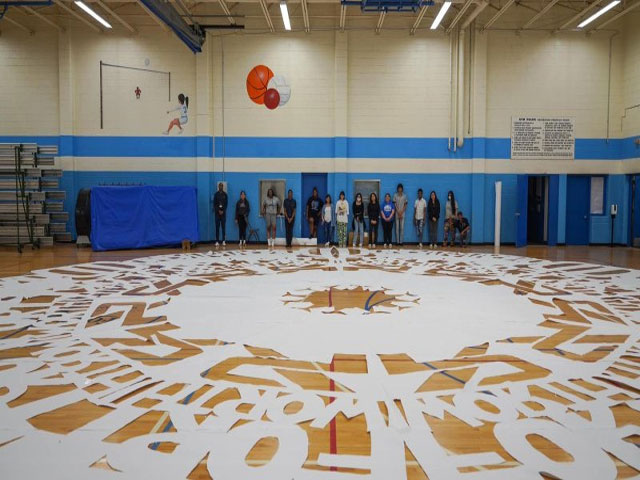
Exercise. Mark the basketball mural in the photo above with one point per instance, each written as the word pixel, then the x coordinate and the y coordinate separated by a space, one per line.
pixel 265 88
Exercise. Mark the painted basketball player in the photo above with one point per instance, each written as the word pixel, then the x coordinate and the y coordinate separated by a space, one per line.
pixel 183 119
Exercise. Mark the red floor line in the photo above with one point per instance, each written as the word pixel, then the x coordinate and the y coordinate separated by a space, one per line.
pixel 333 434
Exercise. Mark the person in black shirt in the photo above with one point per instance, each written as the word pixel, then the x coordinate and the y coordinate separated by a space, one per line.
pixel 242 214
pixel 313 213
pixel 462 225
pixel 289 216
pixel 358 220
pixel 433 214
pixel 373 212
pixel 220 201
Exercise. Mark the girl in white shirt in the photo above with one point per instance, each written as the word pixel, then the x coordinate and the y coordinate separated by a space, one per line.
pixel 342 219
pixel 327 220
pixel 183 119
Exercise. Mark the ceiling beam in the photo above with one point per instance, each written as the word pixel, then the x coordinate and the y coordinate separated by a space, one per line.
pixel 43 18
pixel 267 17
pixel 305 15
pixel 116 16
pixel 416 24
pixel 498 14
pixel 578 15
pixel 477 11
pixel 616 17
pixel 153 15
pixel 92 26
pixel 537 16
pixel 343 17
pixel 184 9
pixel 457 18
pixel 227 12
pixel 383 14
pixel 19 25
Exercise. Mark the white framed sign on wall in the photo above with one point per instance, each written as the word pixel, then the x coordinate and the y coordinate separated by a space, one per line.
pixel 542 138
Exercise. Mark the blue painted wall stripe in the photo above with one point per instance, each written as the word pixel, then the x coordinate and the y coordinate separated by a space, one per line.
pixel 312 147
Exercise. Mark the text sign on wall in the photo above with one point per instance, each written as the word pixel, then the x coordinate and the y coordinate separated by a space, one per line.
pixel 542 138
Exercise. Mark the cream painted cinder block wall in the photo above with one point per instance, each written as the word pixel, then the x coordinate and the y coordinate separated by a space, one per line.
pixel 631 76
pixel 391 85
pixel 398 84
pixel 548 75
pixel 307 63
pixel 28 83
pixel 123 114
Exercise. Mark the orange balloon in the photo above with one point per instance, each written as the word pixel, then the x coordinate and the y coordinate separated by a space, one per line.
pixel 257 82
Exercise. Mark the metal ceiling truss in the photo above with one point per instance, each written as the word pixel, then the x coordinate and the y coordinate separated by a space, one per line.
pixel 267 17
pixel 43 18
pixel 305 15
pixel 416 24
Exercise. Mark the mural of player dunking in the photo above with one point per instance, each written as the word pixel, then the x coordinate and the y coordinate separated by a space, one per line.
pixel 183 118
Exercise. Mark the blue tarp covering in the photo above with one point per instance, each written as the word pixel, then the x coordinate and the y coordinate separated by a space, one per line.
pixel 140 217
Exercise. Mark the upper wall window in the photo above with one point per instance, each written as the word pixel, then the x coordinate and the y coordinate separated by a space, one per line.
pixel 597 195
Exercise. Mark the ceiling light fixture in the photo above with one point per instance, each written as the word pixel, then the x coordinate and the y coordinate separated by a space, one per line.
pixel 441 14
pixel 602 11
pixel 93 14
pixel 285 15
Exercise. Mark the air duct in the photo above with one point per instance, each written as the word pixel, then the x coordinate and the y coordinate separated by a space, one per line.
pixel 193 36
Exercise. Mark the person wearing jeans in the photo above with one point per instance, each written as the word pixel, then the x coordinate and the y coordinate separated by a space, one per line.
pixel 387 212
pixel 328 220
pixel 433 213
pixel 462 225
pixel 358 220
pixel 400 201
pixel 419 214
pixel 220 201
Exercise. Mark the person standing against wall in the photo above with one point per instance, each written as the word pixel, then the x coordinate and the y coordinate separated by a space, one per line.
pixel 242 214
pixel 450 209
pixel 358 220
pixel 419 215
pixel 289 216
pixel 433 213
pixel 270 210
pixel 342 219
pixel 400 201
pixel 373 212
pixel 328 220
pixel 220 201
pixel 387 212
pixel 313 213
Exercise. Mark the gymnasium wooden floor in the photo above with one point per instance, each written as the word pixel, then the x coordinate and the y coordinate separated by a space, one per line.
pixel 12 263
pixel 343 435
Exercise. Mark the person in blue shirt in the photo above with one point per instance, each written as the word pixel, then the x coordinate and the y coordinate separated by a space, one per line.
pixel 387 213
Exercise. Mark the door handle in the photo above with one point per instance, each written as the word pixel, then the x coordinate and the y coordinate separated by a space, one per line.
pixel 585 217
pixel 517 214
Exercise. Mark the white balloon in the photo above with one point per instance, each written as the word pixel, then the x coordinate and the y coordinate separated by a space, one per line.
pixel 284 89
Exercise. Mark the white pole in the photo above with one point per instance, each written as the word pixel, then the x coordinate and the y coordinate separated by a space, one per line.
pixel 496 234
